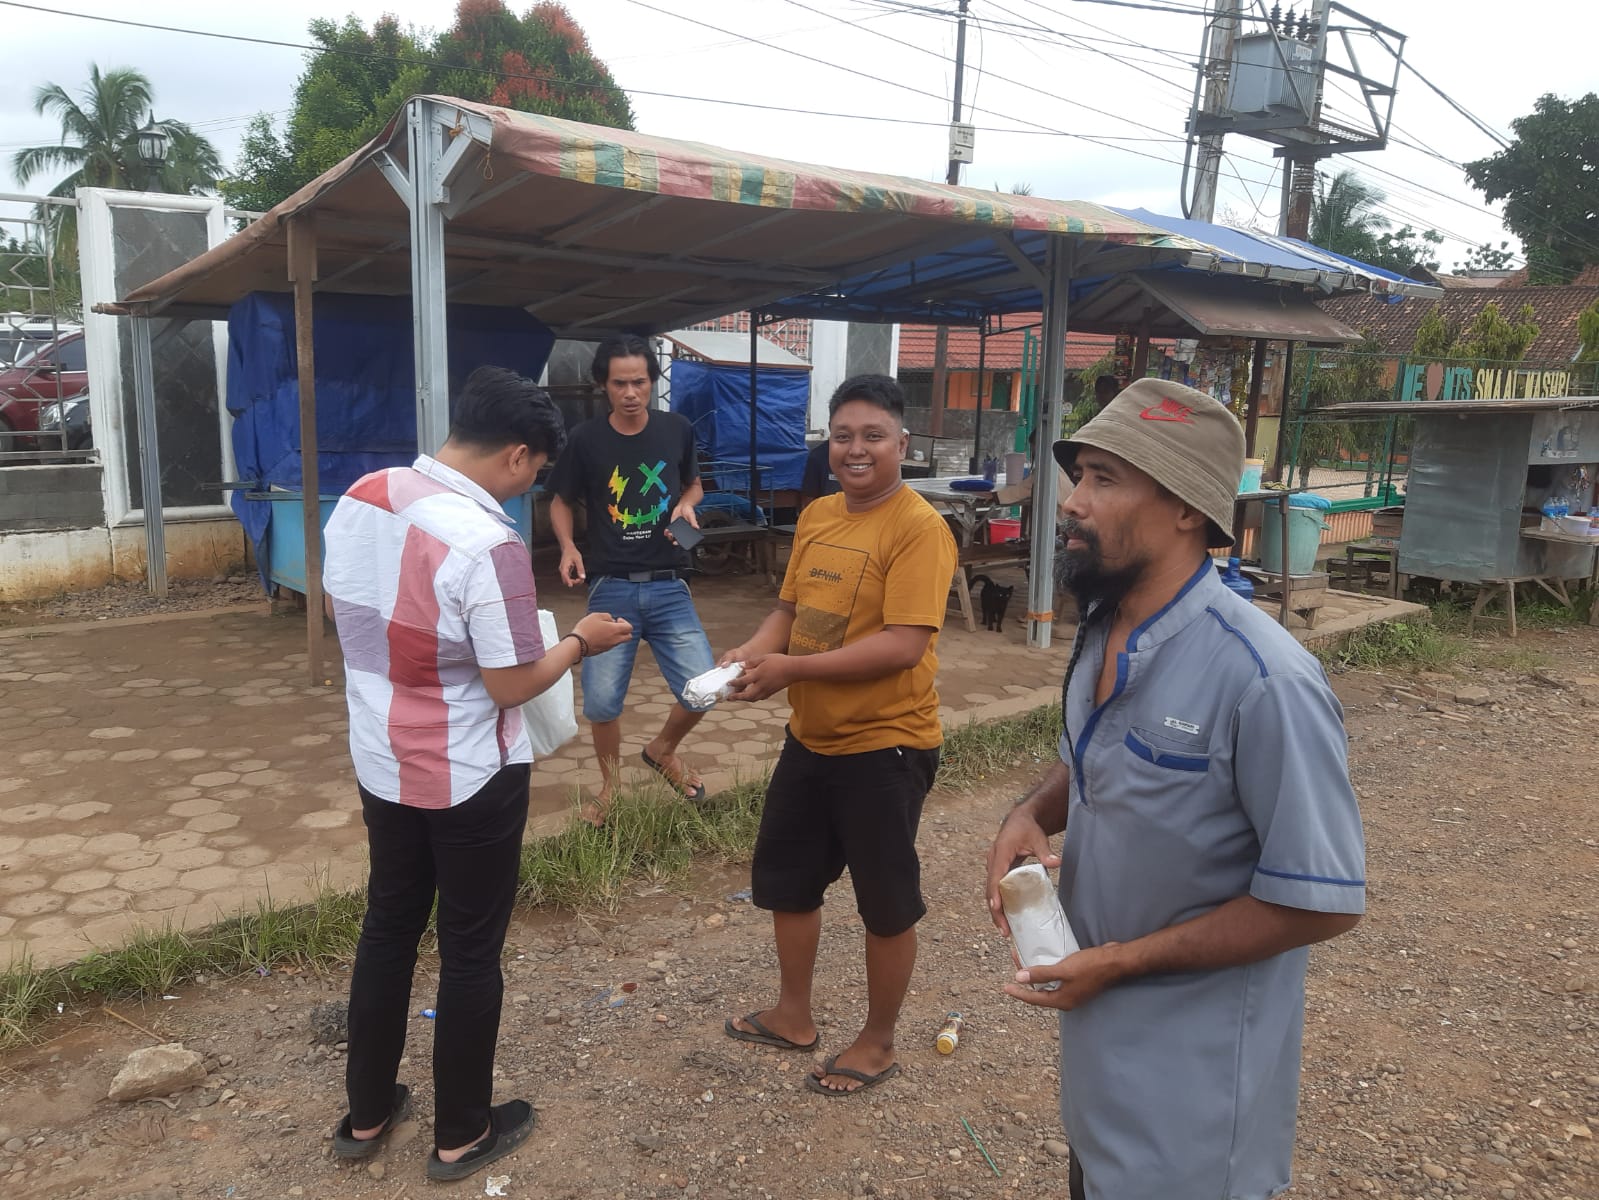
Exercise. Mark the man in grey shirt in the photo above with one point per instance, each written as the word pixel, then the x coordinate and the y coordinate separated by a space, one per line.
pixel 1211 833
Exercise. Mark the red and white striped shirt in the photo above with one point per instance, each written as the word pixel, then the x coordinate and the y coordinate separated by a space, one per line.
pixel 430 584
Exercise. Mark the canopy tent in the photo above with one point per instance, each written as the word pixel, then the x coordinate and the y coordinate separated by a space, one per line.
pixel 593 229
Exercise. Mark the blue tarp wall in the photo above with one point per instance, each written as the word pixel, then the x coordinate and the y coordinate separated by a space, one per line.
pixel 716 398
pixel 365 387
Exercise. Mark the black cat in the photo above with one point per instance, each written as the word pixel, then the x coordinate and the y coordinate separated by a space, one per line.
pixel 995 600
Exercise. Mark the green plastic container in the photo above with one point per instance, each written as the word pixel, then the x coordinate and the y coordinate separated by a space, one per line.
pixel 1304 539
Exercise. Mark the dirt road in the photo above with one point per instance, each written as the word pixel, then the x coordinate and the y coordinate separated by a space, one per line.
pixel 1452 1041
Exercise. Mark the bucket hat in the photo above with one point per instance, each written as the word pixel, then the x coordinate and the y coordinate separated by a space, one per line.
pixel 1181 438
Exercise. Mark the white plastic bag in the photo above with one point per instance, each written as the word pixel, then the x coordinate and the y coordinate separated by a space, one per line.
pixel 551 716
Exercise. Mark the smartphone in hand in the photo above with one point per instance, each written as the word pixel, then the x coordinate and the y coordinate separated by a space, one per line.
pixel 685 534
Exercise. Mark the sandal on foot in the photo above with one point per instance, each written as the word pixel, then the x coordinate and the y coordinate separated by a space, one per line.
pixel 831 1067
pixel 509 1125
pixel 693 794
pixel 347 1145
pixel 763 1036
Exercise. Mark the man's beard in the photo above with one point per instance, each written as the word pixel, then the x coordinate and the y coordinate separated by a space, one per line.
pixel 1099 589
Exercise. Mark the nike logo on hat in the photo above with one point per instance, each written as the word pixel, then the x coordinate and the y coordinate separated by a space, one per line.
pixel 1169 410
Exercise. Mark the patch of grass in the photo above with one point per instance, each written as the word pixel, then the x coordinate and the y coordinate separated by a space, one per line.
pixel 973 752
pixel 1415 644
pixel 26 995
pixel 651 834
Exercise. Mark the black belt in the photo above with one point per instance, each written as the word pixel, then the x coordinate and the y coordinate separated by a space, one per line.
pixel 643 576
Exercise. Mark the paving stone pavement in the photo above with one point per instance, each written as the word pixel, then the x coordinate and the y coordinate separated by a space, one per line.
pixel 173 769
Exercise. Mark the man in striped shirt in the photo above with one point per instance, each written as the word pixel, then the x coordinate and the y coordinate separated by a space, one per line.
pixel 432 591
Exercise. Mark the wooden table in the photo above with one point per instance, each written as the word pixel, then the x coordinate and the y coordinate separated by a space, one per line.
pixel 968 514
pixel 1360 557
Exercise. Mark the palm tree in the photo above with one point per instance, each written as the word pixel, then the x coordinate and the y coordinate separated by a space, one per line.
pixel 99 144
pixel 1344 216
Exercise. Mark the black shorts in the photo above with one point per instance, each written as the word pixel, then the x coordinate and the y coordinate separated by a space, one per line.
pixel 828 811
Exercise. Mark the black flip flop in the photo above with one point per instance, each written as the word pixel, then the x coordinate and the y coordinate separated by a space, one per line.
pixel 693 795
pixel 762 1036
pixel 347 1145
pixel 831 1067
pixel 509 1125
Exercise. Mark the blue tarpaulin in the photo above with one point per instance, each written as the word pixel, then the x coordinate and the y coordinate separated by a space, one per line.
pixel 716 398
pixel 365 387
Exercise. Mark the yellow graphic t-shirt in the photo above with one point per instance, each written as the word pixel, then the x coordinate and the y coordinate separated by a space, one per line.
pixel 850 575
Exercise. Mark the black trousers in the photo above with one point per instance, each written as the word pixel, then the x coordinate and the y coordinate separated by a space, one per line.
pixel 468 855
pixel 1075 1171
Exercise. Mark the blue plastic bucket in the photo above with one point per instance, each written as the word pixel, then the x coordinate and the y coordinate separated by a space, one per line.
pixel 1304 539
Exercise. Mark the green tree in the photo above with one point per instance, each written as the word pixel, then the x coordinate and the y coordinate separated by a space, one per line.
pixel 1344 216
pixel 359 79
pixel 1345 220
pixel 1435 336
pixel 1492 337
pixel 1488 258
pixel 540 63
pixel 1588 333
pixel 99 146
pixel 1548 178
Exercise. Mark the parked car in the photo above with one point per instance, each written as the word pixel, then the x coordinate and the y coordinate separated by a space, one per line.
pixel 74 414
pixel 51 374
pixel 21 333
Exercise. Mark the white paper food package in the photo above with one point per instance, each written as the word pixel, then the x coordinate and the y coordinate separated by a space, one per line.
pixel 703 691
pixel 1038 927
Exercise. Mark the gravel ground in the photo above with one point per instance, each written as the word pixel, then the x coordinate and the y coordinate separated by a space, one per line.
pixel 1452 1044
pixel 135 600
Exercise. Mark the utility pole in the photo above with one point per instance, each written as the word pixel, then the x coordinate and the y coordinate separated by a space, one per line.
pixel 953 178
pixel 1299 170
pixel 1215 71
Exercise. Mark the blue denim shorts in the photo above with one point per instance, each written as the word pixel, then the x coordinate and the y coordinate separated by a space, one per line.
pixel 662 614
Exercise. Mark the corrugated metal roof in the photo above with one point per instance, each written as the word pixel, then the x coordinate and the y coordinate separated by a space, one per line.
pixel 1185 304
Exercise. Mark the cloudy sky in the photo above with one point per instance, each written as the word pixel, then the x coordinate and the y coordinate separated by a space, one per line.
pixel 1080 99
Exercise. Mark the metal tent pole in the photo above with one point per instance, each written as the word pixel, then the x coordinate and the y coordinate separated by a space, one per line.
pixel 755 344
pixel 155 534
pixel 428 301
pixel 1058 263
pixel 977 431
pixel 302 274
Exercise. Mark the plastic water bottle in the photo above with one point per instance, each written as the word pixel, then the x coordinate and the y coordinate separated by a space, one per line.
pixel 950 1036
pixel 1234 579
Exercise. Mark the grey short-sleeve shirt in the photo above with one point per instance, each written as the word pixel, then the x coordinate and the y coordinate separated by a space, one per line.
pixel 1217 768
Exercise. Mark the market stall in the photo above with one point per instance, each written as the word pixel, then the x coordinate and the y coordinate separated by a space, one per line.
pixel 1501 493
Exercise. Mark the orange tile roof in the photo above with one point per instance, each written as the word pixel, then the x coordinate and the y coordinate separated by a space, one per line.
pixel 916 347
pixel 1394 325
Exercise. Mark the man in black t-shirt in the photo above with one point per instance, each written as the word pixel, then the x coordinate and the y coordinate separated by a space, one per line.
pixel 818 480
pixel 635 472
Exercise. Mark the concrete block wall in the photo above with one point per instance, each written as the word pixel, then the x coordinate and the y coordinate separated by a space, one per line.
pixel 51 496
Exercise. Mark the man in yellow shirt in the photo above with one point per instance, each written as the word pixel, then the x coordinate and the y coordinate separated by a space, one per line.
pixel 854 639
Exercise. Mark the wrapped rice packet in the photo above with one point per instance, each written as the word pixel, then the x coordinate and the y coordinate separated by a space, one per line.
pixel 1038 927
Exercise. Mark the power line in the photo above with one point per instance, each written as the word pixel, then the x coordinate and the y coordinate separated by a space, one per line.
pixel 936 54
pixel 408 60
pixel 1499 138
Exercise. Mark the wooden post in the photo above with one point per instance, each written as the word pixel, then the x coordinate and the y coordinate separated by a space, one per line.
pixel 302 274
pixel 1257 371
pixel 1141 350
